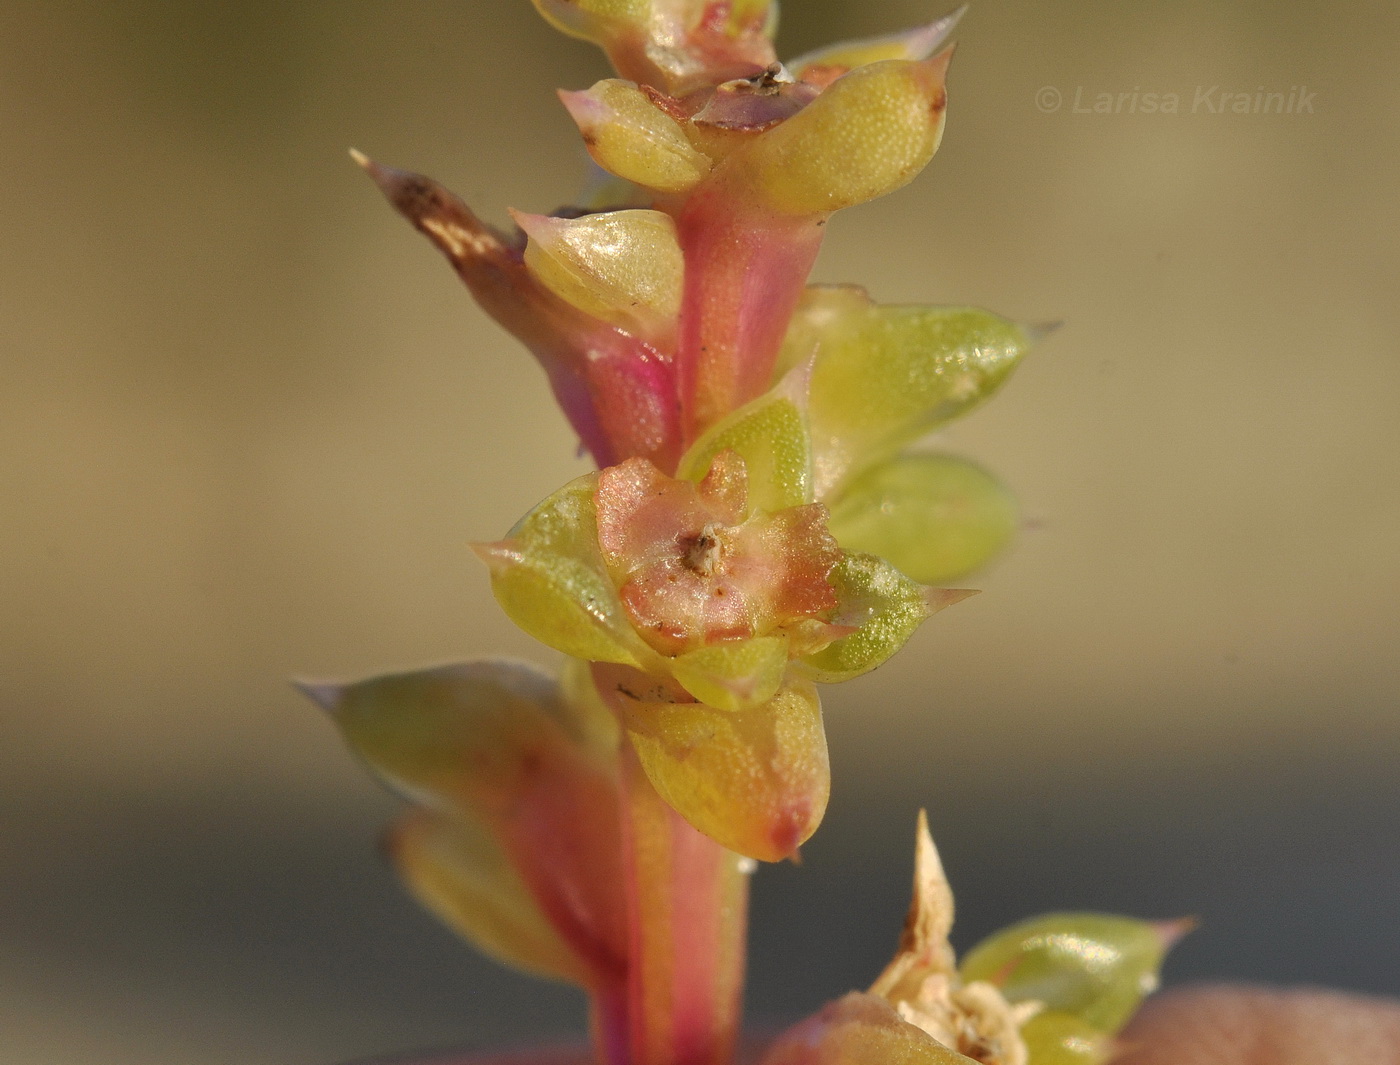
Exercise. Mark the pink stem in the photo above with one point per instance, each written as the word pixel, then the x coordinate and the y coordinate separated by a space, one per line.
pixel 687 903
pixel 745 268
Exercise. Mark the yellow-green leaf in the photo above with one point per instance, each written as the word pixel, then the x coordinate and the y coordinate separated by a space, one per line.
pixel 886 375
pixel 868 134
pixel 548 575
pixel 1054 1038
pixel 755 780
pixel 623 267
pixel 884 605
pixel 936 517
pixel 629 136
pixel 1096 967
pixel 770 434
pixel 736 674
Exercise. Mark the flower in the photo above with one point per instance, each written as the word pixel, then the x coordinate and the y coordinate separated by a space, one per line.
pixel 709 604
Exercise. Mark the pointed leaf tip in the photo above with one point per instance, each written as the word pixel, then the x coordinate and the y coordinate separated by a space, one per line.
pixel 1173 932
pixel 325 694
pixel 942 598
pixel 1038 331
pixel 929 38
pixel 497 555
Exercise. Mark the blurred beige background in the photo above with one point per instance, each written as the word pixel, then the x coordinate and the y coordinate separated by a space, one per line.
pixel 248 423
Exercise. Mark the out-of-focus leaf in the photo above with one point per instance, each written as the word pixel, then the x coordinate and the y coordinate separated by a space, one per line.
pixel 460 873
pixel 1054 1038
pixel 492 745
pixel 1095 967
pixel 936 517
pixel 859 1030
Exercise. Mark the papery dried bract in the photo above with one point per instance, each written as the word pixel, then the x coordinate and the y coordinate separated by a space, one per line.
pixel 623 267
pixel 935 517
pixel 886 375
pixel 859 1030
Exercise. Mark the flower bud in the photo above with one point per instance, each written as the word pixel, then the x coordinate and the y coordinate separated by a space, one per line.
pixel 623 267
pixel 870 133
pixel 935 517
pixel 628 135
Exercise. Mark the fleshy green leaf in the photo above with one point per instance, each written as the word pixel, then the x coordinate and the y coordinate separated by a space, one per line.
pixel 859 1030
pixel 549 577
pixel 755 781
pixel 623 267
pixel 1095 967
pixel 886 375
pixel 883 605
pixel 868 134
pixel 936 517
pixel 770 434
pixel 629 136
pixel 735 675
pixel 1054 1038
pixel 595 20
